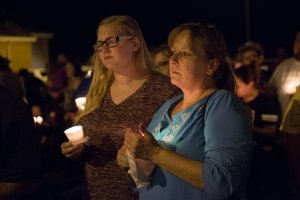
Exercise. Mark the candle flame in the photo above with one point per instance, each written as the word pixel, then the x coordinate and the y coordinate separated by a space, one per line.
pixel 38 120
pixel 291 84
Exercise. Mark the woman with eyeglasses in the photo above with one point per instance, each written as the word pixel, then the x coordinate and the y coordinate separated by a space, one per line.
pixel 124 91
pixel 200 141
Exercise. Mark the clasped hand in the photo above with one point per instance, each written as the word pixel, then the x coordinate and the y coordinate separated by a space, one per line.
pixel 141 145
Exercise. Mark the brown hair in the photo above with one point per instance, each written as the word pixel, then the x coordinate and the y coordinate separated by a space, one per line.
pixel 210 40
pixel 247 73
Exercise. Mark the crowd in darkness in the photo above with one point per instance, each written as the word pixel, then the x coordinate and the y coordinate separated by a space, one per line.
pixel 52 101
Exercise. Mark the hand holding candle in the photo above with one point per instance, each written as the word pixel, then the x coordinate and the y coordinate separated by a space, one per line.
pixel 141 166
pixel 141 145
pixel 71 151
pixel 122 157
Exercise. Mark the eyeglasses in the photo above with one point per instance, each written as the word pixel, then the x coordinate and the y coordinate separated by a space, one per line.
pixel 111 42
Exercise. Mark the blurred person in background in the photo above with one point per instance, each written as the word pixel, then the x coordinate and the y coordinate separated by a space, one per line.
pixel 20 159
pixel 253 52
pixel 35 92
pixel 285 78
pixel 265 181
pixel 161 57
pixel 8 79
pixel 286 83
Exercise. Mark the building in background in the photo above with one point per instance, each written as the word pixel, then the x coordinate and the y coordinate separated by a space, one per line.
pixel 23 48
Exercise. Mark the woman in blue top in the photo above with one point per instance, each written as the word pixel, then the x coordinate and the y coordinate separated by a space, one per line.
pixel 201 140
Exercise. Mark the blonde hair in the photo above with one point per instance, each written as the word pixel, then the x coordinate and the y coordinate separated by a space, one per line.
pixel 102 77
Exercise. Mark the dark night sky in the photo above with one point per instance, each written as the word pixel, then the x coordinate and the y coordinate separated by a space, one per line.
pixel 273 23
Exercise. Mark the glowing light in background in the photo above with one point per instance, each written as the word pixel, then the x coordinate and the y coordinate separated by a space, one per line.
pixel 291 82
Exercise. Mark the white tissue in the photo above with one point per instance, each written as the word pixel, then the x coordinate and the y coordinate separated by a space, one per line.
pixel 140 170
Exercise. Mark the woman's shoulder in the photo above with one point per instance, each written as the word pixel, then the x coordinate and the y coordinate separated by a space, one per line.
pixel 223 96
pixel 224 93
pixel 226 105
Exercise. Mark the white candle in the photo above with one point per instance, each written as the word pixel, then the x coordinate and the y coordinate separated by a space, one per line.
pixel 80 103
pixel 74 134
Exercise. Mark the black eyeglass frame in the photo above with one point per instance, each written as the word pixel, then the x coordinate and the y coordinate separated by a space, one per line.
pixel 111 42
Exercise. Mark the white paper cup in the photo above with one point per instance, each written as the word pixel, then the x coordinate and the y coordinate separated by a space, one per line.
pixel 74 134
pixel 80 103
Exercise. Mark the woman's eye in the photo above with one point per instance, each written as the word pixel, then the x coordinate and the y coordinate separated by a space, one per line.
pixel 183 54
pixel 180 55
